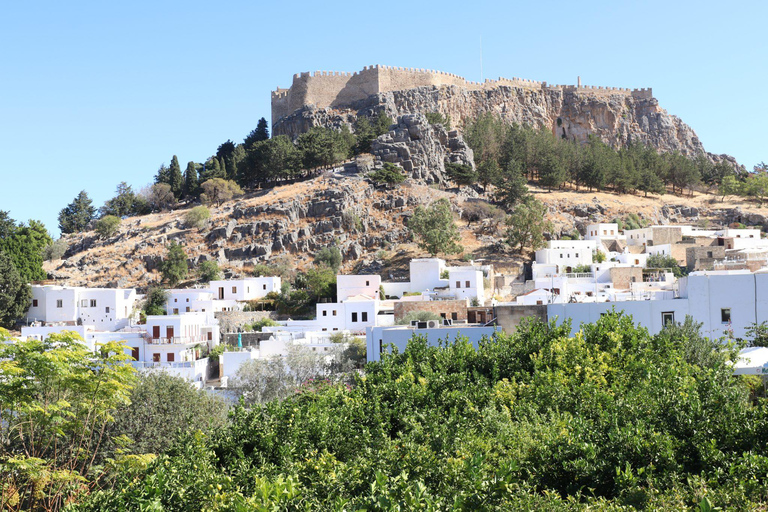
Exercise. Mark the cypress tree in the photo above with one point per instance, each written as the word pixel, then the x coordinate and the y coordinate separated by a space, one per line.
pixel 259 134
pixel 191 184
pixel 176 180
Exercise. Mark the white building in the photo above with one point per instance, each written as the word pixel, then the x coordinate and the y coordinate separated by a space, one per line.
pixel 603 231
pixel 567 254
pixel 724 302
pixel 105 308
pixel 350 286
pixel 377 338
pixel 198 301
pixel 250 288
pixel 432 277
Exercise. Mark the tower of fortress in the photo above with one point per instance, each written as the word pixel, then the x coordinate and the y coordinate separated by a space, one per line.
pixel 337 89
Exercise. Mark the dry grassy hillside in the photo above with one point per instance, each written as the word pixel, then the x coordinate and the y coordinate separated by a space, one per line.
pixel 290 223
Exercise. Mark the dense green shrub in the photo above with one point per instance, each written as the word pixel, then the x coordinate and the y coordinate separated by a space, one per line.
pixel 107 226
pixel 535 420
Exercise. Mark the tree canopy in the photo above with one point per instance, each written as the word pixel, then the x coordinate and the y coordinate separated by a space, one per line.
pixel 435 229
pixel 77 214
pixel 174 267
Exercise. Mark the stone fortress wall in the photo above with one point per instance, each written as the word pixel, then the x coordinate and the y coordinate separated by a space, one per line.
pixel 335 89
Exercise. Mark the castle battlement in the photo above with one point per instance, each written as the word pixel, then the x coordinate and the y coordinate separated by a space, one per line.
pixel 340 88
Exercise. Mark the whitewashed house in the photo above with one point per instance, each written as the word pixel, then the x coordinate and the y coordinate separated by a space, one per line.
pixel 105 308
pixel 249 288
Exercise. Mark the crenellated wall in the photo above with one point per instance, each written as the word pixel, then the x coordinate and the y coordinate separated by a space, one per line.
pixel 334 89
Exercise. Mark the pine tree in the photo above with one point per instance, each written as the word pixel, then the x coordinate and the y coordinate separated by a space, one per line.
pixel 163 175
pixel 176 180
pixel 191 184
pixel 259 134
pixel 76 216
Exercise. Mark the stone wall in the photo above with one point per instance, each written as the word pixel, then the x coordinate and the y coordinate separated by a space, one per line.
pixel 445 308
pixel 509 317
pixel 621 277
pixel 325 89
pixel 703 258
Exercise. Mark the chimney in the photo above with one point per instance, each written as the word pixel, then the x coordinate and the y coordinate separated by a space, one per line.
pixel 578 81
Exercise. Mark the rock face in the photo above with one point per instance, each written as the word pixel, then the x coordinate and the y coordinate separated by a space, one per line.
pixel 616 117
pixel 422 149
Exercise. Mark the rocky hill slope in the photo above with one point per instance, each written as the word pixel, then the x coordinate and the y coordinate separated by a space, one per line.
pixel 290 223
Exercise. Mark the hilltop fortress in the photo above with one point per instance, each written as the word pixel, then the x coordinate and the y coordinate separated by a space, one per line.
pixel 333 89
pixel 618 116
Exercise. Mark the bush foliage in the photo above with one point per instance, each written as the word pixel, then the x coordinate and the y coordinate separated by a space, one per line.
pixel 612 417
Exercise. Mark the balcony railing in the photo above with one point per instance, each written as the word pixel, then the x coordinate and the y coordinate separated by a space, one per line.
pixel 153 364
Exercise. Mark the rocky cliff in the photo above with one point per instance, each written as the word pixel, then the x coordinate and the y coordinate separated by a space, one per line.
pixel 575 113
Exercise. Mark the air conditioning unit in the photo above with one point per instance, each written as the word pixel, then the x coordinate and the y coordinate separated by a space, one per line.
pixel 447 322
pixel 433 324
pixel 421 325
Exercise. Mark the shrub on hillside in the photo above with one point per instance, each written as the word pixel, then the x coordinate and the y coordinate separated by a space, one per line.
pixel 107 226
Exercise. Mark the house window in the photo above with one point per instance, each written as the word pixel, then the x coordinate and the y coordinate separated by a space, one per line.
pixel 59 303
pixel 84 303
pixel 354 317
pixel 668 318
pixel 170 357
pixel 539 303
pixel 454 316
pixel 187 299
pixel 93 303
pixel 34 303
pixel 325 329
pixel 187 309
pixel 264 287
pixel 175 311
pixel 725 315
pixel 175 300
pixel 458 284
pixel 234 289
pixel 106 309
pixel 156 358
pixel 334 312
pixel 367 283
pixel 364 316
pixel 325 313
pixel 335 328
pixel 466 284
pixel 709 254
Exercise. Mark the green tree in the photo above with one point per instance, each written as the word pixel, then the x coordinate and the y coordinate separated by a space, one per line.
pixel 320 282
pixel 77 214
pixel 260 133
pixel 174 267
pixel 461 174
pixel 330 257
pixel 208 271
pixel 527 224
pixel 664 261
pixel 756 185
pixel 107 226
pixel 56 400
pixel 125 203
pixel 511 187
pixel 389 174
pixel 191 185
pixel 728 186
pixel 163 175
pixel 15 294
pixel 268 161
pixel 440 119
pixel 323 147
pixel 162 406
pixel 155 301
pixel 175 178
pixel 435 229
pixel 217 191
pixel 25 245
pixel 418 316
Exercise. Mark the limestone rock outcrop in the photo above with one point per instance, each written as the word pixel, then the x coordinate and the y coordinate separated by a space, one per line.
pixel 421 148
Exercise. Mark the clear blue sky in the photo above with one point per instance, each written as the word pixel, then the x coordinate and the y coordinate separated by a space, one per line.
pixel 94 93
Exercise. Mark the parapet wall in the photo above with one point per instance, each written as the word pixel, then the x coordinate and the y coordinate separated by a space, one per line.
pixel 335 89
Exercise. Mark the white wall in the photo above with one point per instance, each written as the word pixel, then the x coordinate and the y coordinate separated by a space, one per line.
pixel 104 308
pixel 425 274
pixel 467 283
pixel 244 289
pixel 378 337
pixel 351 285
pixel 647 313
